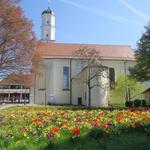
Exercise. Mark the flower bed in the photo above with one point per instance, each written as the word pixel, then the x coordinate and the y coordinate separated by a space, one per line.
pixel 34 125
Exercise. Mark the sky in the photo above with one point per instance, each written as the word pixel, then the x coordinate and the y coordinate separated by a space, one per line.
pixel 117 22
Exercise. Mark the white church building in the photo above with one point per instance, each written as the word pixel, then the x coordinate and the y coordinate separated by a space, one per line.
pixel 57 84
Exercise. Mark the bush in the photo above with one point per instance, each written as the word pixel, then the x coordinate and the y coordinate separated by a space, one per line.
pixel 129 103
pixel 137 103
pixel 143 103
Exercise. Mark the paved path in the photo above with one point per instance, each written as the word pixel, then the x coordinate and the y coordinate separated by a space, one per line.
pixel 3 106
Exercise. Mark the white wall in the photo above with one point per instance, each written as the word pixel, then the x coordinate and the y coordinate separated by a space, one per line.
pixel 53 81
pixel 118 66
pixel 48 28
pixel 56 94
pixel 99 94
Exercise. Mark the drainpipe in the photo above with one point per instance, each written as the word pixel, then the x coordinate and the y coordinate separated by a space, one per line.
pixel 34 86
pixel 45 89
pixel 70 81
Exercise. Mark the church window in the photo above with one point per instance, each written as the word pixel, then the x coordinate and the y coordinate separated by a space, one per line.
pixel 65 78
pixel 112 77
pixel 47 35
pixel 48 22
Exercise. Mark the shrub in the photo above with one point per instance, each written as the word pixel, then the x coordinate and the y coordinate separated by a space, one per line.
pixel 137 103
pixel 129 103
pixel 143 103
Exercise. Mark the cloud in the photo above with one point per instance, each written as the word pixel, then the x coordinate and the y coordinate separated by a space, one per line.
pixel 136 11
pixel 103 14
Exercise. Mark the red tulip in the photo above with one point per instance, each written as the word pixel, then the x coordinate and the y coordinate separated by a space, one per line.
pixel 55 129
pixel 137 124
pixel 146 117
pixel 106 126
pixel 75 131
pixel 78 119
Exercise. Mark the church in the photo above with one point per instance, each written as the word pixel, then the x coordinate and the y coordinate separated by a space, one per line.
pixel 57 81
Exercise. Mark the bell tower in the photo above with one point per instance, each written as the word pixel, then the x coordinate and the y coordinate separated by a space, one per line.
pixel 48 28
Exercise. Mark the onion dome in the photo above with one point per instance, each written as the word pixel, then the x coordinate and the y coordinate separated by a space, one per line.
pixel 47 11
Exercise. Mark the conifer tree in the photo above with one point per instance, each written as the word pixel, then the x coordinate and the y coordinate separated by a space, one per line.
pixel 141 70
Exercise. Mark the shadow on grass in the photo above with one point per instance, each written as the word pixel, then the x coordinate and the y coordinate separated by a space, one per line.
pixel 133 139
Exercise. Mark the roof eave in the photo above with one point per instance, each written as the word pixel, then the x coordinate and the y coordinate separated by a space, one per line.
pixel 103 58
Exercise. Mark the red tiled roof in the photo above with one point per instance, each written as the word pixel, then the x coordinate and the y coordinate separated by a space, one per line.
pixel 65 50
pixel 18 79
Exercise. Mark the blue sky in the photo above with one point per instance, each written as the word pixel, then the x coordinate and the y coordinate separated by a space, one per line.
pixel 93 21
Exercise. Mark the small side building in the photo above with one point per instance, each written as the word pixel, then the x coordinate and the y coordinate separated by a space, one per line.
pixel 147 95
pixel 15 89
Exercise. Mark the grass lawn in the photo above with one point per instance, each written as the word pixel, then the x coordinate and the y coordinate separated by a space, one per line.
pixel 59 128
pixel 134 141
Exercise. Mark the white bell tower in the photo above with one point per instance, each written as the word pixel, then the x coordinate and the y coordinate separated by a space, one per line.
pixel 48 28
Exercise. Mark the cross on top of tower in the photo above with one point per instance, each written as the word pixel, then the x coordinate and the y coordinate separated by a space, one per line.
pixel 49 3
pixel 48 10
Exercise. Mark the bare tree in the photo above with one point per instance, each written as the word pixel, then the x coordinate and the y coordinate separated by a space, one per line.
pixel 93 70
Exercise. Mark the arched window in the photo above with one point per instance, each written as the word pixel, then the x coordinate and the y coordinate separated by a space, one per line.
pixel 65 78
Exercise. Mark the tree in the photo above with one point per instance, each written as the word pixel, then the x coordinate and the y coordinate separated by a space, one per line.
pixel 126 87
pixel 17 41
pixel 93 70
pixel 37 60
pixel 141 70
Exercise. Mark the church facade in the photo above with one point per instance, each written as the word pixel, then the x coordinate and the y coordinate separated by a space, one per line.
pixel 57 84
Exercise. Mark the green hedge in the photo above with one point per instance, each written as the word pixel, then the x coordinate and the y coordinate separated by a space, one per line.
pixel 136 103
